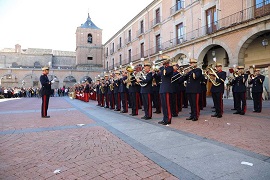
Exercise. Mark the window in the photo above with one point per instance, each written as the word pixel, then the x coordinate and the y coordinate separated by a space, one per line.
pixel 120 59
pixel 211 20
pixel 179 33
pixel 142 50
pixel 90 58
pixel 129 55
pixel 158 43
pixel 107 51
pixel 157 16
pixel 120 42
pixel 129 35
pixel 107 66
pixel 112 47
pixel 90 38
pixel 141 27
pixel 179 4
pixel 113 63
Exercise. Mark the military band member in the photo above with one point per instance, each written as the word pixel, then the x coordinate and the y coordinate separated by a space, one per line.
pixel 155 88
pixel 166 91
pixel 176 87
pixel 240 91
pixel 117 98
pixel 106 91
pixel 134 93
pixel 123 92
pixel 97 92
pixel 203 93
pixel 101 92
pixel 218 90
pixel 45 91
pixel 146 91
pixel 110 92
pixel 86 91
pixel 193 89
pixel 257 90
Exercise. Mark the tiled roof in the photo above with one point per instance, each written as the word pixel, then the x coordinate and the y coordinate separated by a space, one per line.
pixel 89 24
pixel 38 51
pixel 63 53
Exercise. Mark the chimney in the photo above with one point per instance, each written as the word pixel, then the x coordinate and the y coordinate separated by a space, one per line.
pixel 18 48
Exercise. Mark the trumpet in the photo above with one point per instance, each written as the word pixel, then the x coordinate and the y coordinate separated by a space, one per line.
pixel 140 75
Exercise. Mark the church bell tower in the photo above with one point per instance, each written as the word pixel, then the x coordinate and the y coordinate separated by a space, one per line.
pixel 88 46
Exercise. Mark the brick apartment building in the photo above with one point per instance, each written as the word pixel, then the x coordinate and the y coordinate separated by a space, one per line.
pixel 231 32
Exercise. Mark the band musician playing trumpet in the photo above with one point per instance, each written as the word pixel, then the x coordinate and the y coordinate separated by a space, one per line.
pixel 217 89
pixel 146 91
pixel 257 90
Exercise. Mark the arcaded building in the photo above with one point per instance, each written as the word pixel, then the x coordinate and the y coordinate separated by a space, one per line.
pixel 229 32
pixel 22 67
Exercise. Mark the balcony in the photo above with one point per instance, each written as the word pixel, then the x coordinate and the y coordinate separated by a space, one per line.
pixel 128 40
pixel 155 22
pixel 140 32
pixel 119 46
pixel 111 51
pixel 177 8
pixel 155 50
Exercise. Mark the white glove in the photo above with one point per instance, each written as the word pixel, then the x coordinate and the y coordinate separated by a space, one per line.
pixel 52 81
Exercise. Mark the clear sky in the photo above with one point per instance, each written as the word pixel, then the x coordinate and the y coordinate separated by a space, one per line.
pixel 51 24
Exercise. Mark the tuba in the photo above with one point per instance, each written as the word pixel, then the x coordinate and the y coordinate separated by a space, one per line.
pixel 211 71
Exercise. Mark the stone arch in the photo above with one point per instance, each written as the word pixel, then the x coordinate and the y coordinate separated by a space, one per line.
pixel 30 80
pixel 9 80
pixel 56 83
pixel 248 39
pixel 86 78
pixel 37 64
pixel 69 81
pixel 208 45
pixel 181 57
pixel 90 38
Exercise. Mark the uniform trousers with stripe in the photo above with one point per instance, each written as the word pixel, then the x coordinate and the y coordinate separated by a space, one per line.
pixel 194 104
pixel 240 98
pixel 156 101
pixel 107 100
pixel 218 102
pixel 124 100
pixel 111 97
pixel 147 104
pixel 117 101
pixel 174 104
pixel 257 101
pixel 166 107
pixel 134 101
pixel 44 105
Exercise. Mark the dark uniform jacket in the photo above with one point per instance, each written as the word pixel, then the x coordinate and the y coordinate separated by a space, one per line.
pixel 157 77
pixel 134 87
pixel 123 87
pixel 257 83
pixel 239 83
pixel 46 85
pixel 193 79
pixel 148 79
pixel 116 85
pixel 203 83
pixel 176 84
pixel 221 80
pixel 87 88
pixel 166 85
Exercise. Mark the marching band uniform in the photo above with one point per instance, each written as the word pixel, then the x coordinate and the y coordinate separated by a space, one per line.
pixel 86 92
pixel 240 92
pixel 97 92
pixel 111 94
pixel 134 93
pixel 166 89
pixel 193 90
pixel 106 91
pixel 217 92
pixel 117 98
pixel 176 86
pixel 45 92
pixel 257 90
pixel 146 92
pixel 156 96
pixel 203 93
pixel 123 92
pixel 101 93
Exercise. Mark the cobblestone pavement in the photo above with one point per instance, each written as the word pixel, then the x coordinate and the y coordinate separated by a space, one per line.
pixel 33 148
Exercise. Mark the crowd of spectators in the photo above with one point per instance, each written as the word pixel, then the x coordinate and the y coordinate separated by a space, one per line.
pixel 19 92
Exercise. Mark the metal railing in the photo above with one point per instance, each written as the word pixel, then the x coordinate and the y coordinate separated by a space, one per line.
pixel 177 7
pixel 156 21
pixel 140 32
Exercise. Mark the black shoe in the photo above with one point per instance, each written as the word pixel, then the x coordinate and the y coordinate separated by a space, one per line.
pixel 46 116
pixel 201 108
pixel 219 116
pixel 185 107
pixel 117 110
pixel 213 107
pixel 237 112
pixel 195 119
pixel 190 118
pixel 259 111
pixel 214 111
pixel 146 118
pixel 175 115
pixel 123 111
pixel 214 115
pixel 133 114
pixel 255 111
pixel 158 112
pixel 233 109
pixel 160 122
pixel 242 113
pixel 143 117
pixel 106 107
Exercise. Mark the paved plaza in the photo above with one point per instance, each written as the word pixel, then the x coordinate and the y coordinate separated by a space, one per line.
pixel 84 141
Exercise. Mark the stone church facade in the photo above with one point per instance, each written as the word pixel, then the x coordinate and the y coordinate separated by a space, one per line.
pixel 22 67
